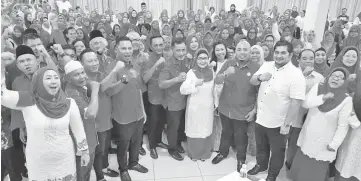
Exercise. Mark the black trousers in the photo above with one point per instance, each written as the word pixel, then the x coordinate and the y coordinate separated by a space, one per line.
pixel 8 164
pixel 175 128
pixel 101 154
pixel 18 153
pixel 156 122
pixel 270 140
pixel 237 129
pixel 130 138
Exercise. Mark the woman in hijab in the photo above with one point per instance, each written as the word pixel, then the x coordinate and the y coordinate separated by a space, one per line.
pixel 309 38
pixel 257 54
pixel 200 105
pixel 353 38
pixel 325 127
pixel 133 17
pixel 320 65
pixel 148 17
pixel 15 39
pixel 297 48
pixel 164 19
pixel 347 164
pixel 208 40
pixel 329 44
pixel 28 19
pixel 155 31
pixel 48 115
pixel 181 17
pixel 252 36
pixel 166 30
pixel 337 30
pixel 178 34
pixel 86 26
pixel 349 58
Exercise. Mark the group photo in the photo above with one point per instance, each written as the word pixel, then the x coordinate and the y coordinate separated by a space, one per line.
pixel 180 90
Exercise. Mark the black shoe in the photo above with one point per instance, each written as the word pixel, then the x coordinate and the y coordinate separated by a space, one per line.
pixel 162 145
pixel 176 155
pixel 180 149
pixel 110 173
pixel 139 168
pixel 124 176
pixel 153 153
pixel 239 166
pixel 256 169
pixel 271 178
pixel 288 165
pixel 142 151
pixel 218 158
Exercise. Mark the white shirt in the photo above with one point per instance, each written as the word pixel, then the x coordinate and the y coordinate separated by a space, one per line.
pixel 63 6
pixel 300 22
pixel 274 96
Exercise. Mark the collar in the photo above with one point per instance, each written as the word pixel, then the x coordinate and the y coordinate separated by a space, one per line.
pixel 288 65
pixel 240 66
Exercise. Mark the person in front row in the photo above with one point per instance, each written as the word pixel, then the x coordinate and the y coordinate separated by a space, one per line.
pixel 79 88
pixel 170 79
pixel 127 109
pixel 237 103
pixel 306 62
pixel 325 128
pixel 280 96
pixel 199 86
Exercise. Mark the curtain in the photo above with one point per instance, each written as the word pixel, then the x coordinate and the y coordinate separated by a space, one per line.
pixel 282 5
pixel 201 4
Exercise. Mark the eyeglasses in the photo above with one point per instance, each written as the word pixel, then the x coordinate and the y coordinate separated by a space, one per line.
pixel 202 58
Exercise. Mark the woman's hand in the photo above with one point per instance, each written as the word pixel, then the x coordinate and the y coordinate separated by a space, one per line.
pixel 85 159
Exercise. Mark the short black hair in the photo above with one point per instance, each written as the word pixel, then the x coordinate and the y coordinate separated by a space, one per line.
pixel 120 39
pixel 68 47
pixel 77 7
pixel 146 25
pixel 300 55
pixel 344 9
pixel 30 36
pixel 87 50
pixel 154 37
pixel 283 43
pixel 212 8
pixel 178 41
pixel 143 4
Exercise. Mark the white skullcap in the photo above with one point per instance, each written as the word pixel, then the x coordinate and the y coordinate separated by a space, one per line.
pixel 71 66
pixel 133 35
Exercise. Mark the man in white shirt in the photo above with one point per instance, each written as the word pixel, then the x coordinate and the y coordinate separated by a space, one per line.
pixel 306 65
pixel 282 90
pixel 63 5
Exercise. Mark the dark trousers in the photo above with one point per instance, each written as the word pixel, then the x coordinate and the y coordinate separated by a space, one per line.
pixel 292 144
pixel 175 128
pixel 101 154
pixel 83 172
pixel 18 153
pixel 8 164
pixel 270 139
pixel 146 104
pixel 156 122
pixel 237 129
pixel 130 138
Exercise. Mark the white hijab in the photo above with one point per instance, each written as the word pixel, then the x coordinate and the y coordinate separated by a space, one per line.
pixel 260 49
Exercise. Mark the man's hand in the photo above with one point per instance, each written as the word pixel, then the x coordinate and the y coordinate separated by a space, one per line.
pixel 181 77
pixel 285 129
pixel 189 56
pixel 120 65
pixel 265 77
pixel 43 51
pixel 94 86
pixel 307 71
pixel 230 70
pixel 57 49
pixel 328 96
pixel 160 61
pixel 251 116
pixel 85 159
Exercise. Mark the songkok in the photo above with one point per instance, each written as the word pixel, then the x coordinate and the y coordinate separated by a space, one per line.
pixel 22 50
pixel 71 66
pixel 30 30
pixel 94 34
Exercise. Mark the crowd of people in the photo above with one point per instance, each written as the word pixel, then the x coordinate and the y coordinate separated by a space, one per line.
pixel 76 83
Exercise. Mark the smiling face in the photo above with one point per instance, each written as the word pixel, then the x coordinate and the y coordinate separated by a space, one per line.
pixel 243 51
pixel 79 47
pixel 265 50
pixel 158 45
pixel 179 34
pixel 311 36
pixel 90 62
pixel 282 56
pixel 208 39
pixel 180 51
pixel 225 34
pixel 252 34
pixel 194 45
pixel 350 58
pixel 125 48
pixel 80 34
pixel 220 51
pixel 72 34
pixel 255 55
pixel 17 33
pixel 202 60
pixel 353 32
pixel 336 79
pixel 307 59
pixel 51 82
pixel 320 57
